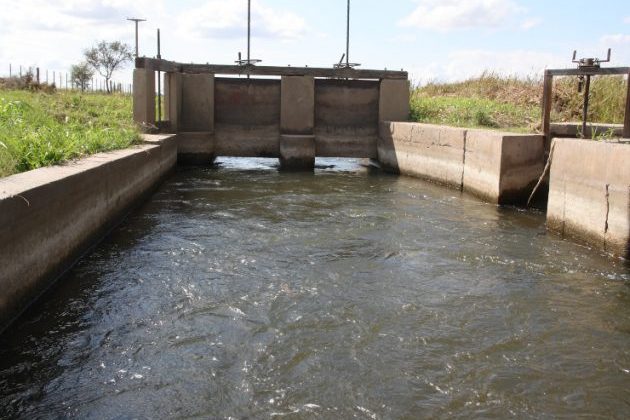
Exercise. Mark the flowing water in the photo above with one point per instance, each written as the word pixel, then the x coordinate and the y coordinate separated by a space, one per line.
pixel 241 292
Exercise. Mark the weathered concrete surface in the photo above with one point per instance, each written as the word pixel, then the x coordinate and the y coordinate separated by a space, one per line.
pixel 422 150
pixel 499 167
pixel 346 118
pixel 247 117
pixel 197 110
pixel 195 148
pixel 144 96
pixel 298 105
pixel 502 168
pixel 297 152
pixel 589 193
pixel 393 102
pixel 50 216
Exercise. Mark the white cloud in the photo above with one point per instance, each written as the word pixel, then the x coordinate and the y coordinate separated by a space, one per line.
pixel 531 23
pixel 228 19
pixel 464 64
pixel 446 15
pixel 616 39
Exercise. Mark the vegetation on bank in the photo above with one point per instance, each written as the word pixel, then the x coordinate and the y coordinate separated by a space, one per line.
pixel 46 127
pixel 508 103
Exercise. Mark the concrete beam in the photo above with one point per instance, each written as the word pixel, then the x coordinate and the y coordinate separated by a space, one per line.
pixel 144 96
pixel 342 73
pixel 297 114
pixel 393 102
pixel 297 152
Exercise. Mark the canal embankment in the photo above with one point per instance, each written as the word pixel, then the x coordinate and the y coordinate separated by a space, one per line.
pixel 49 217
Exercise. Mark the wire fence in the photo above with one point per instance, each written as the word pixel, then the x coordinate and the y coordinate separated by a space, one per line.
pixel 62 79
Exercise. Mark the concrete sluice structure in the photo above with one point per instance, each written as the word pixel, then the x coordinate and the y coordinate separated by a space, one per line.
pixel 50 217
pixel 307 113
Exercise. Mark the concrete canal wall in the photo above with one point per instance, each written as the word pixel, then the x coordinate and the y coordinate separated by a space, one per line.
pixel 499 167
pixel 589 193
pixel 50 216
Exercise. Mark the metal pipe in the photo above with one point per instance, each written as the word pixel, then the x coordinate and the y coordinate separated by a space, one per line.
pixel 587 88
pixel 159 81
pixel 136 21
pixel 348 37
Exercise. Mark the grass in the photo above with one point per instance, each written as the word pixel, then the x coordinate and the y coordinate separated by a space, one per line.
pixel 506 103
pixel 40 129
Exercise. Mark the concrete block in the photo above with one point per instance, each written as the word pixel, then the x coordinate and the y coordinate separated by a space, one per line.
pixel 500 167
pixel 297 152
pixel 393 101
pixel 589 193
pixel 195 148
pixel 346 118
pixel 197 109
pixel 50 216
pixel 297 105
pixel 144 96
pixel 427 151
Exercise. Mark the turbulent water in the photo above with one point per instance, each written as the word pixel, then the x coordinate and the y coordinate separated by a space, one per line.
pixel 241 292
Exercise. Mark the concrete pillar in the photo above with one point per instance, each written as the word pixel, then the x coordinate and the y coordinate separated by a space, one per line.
pixel 393 102
pixel 297 123
pixel 297 152
pixel 144 96
pixel 195 139
pixel 173 100
pixel 197 109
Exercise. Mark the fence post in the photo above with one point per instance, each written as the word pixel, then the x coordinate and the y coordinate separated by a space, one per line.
pixel 10 71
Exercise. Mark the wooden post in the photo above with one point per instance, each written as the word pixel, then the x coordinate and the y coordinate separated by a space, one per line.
pixel 626 124
pixel 547 98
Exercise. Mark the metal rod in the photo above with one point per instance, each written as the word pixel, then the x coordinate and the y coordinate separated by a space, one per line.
pixel 159 81
pixel 348 37
pixel 585 110
pixel 136 21
pixel 547 97
pixel 626 124
pixel 249 29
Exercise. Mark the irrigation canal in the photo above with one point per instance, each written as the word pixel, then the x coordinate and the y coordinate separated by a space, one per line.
pixel 239 291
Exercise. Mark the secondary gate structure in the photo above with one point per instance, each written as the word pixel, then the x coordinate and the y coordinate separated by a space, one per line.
pixel 298 114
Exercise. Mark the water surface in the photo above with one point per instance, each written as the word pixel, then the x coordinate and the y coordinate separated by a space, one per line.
pixel 242 292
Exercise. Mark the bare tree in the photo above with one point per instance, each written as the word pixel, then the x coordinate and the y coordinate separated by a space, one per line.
pixel 81 75
pixel 107 57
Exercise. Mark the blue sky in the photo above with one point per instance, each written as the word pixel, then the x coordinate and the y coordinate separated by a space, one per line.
pixel 432 39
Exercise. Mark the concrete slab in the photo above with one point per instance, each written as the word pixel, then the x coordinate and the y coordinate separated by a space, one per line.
pixel 426 151
pixel 589 193
pixel 500 167
pixel 195 148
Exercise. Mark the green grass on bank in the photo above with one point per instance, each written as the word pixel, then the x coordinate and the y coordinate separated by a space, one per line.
pixel 40 129
pixel 513 104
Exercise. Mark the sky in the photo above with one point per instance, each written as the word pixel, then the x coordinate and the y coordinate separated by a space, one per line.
pixel 434 40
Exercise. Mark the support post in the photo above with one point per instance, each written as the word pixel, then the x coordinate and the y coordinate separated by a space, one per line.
pixel 173 100
pixel 626 123
pixel 546 105
pixel 297 123
pixel 144 96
